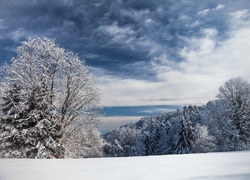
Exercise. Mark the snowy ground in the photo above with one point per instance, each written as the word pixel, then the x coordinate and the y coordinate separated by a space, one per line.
pixel 234 165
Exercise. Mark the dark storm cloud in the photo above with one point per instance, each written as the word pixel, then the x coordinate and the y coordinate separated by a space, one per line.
pixel 73 24
pixel 110 34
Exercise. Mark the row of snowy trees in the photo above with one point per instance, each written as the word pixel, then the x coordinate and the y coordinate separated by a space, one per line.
pixel 49 104
pixel 220 125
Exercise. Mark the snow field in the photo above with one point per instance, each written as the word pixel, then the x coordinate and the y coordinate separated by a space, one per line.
pixel 230 165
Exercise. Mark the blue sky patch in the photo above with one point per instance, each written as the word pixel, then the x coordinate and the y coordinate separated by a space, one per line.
pixel 138 110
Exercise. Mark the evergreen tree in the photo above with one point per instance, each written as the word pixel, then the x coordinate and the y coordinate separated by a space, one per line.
pixel 27 127
pixel 30 130
pixel 152 137
pixel 185 135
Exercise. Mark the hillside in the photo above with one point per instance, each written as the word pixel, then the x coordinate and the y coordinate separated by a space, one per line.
pixel 231 165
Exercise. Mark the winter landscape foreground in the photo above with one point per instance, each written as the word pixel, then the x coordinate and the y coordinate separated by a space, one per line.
pixel 226 165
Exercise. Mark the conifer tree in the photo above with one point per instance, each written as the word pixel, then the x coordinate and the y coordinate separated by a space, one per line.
pixel 185 134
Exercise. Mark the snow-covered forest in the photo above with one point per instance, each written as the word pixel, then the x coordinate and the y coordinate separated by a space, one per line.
pixel 220 125
pixel 50 102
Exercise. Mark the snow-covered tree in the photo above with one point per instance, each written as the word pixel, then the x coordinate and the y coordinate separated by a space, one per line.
pixel 203 141
pixel 85 142
pixel 48 94
pixel 155 132
pixel 152 136
pixel 235 97
pixel 77 99
pixel 184 144
pixel 125 141
pixel 220 125
pixel 28 123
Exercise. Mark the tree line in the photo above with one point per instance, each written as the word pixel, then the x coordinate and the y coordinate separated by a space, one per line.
pixel 220 125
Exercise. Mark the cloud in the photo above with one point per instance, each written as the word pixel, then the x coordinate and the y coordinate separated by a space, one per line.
pixel 199 47
pixel 195 24
pixel 19 34
pixel 241 14
pixel 203 12
pixel 136 15
pixel 220 6
pixel 184 17
pixel 194 89
pixel 121 35
pixel 114 30
pixel 142 52
pixel 208 61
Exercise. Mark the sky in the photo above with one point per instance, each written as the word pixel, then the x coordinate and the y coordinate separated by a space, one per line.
pixel 149 57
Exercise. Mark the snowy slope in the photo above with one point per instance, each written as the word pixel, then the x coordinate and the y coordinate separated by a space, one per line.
pixel 233 165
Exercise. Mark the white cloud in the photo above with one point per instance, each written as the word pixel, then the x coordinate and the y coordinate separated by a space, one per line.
pixel 199 47
pixel 122 35
pixel 240 19
pixel 195 24
pixel 184 17
pixel 203 12
pixel 126 92
pixel 178 88
pixel 240 14
pixel 116 32
pixel 220 6
pixel 208 63
pixel 139 15
pixel 150 23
